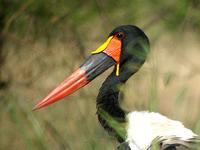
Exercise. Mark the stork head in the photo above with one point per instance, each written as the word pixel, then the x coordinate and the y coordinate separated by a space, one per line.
pixel 126 48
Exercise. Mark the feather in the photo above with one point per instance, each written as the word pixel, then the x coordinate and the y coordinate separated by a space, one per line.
pixel 147 130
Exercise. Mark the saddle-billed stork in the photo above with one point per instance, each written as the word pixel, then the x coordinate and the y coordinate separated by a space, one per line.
pixel 126 48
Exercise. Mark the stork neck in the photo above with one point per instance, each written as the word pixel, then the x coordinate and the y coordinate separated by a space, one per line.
pixel 108 101
pixel 108 97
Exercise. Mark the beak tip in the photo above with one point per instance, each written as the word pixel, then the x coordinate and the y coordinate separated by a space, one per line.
pixel 36 107
pixel 43 103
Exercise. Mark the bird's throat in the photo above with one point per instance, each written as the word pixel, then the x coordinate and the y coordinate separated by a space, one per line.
pixel 108 101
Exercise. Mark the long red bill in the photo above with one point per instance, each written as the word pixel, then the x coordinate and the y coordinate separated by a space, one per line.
pixel 68 86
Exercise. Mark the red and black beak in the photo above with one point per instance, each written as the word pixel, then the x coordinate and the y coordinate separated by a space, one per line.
pixel 107 55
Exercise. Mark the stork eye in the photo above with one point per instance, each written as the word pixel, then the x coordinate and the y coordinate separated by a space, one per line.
pixel 120 35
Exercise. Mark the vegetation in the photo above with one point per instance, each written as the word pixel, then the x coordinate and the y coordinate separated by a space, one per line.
pixel 41 42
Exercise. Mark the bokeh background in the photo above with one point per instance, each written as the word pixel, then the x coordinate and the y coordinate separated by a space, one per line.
pixel 42 42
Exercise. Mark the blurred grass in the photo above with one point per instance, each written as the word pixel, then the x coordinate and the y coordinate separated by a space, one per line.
pixel 44 42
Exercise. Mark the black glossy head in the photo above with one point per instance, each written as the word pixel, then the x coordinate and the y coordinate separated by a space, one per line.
pixel 135 47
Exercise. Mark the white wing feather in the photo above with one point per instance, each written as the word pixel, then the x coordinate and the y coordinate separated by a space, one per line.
pixel 144 127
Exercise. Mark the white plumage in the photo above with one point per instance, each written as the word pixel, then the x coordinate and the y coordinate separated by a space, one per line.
pixel 145 127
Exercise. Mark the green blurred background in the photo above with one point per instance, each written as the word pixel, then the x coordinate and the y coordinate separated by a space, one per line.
pixel 42 42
